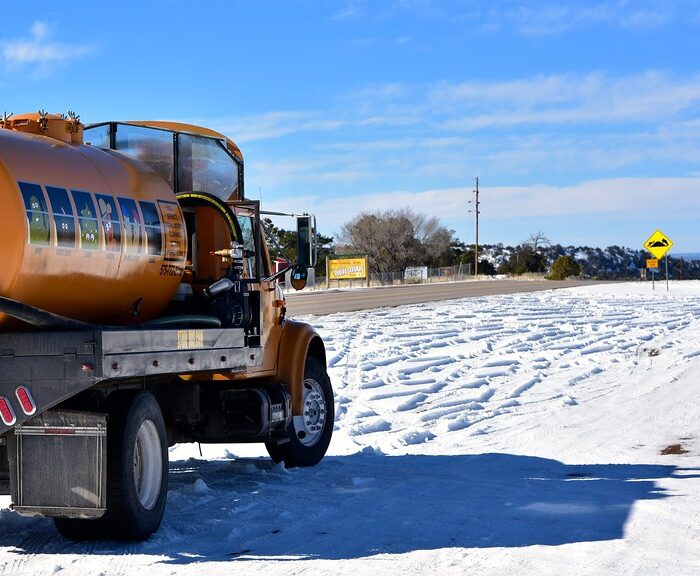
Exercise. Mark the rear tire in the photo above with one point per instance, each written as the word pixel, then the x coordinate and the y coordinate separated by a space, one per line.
pixel 310 433
pixel 137 473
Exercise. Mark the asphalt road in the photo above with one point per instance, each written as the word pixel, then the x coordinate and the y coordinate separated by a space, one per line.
pixel 329 301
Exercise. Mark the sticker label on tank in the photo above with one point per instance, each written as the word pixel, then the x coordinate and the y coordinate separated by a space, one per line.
pixel 87 220
pixel 37 214
pixel 173 231
pixel 109 220
pixel 63 216
pixel 132 225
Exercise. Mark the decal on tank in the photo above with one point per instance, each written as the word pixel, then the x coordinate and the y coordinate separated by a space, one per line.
pixel 37 214
pixel 154 228
pixel 87 220
pixel 109 219
pixel 103 223
pixel 63 216
pixel 132 225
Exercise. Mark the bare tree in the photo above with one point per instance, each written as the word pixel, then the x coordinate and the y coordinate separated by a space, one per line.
pixel 537 240
pixel 396 239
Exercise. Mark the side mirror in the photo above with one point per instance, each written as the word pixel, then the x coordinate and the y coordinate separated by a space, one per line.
pixel 306 240
pixel 300 275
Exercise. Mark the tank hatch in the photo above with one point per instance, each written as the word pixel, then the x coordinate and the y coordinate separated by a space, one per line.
pixel 64 127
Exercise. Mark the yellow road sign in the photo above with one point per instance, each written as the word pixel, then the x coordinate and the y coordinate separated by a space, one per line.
pixel 652 263
pixel 658 244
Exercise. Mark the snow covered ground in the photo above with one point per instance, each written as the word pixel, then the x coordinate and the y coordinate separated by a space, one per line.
pixel 518 434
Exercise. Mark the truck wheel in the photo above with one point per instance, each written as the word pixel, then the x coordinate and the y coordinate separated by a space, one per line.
pixel 137 473
pixel 309 434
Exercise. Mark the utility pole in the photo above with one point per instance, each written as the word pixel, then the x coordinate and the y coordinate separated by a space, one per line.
pixel 476 213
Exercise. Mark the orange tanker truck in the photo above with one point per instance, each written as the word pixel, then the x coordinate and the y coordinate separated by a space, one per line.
pixel 138 309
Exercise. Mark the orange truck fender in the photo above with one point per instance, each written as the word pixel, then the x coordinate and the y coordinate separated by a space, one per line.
pixel 298 341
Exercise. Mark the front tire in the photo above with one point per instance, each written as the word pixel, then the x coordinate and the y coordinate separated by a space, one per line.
pixel 309 433
pixel 137 473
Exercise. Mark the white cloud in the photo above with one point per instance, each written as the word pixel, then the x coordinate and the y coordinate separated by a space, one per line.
pixel 271 125
pixel 545 20
pixel 550 129
pixel 301 172
pixel 39 49
pixel 533 17
pixel 566 99
pixel 617 197
pixel 542 18
pixel 351 11
pixel 646 19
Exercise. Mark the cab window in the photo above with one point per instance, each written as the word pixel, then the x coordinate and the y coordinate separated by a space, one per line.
pixel 248 241
pixel 150 145
pixel 204 165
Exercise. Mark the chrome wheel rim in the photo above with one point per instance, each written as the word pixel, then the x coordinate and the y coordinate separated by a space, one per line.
pixel 148 464
pixel 310 425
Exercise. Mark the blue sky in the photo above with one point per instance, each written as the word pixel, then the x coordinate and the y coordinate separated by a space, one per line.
pixel 582 119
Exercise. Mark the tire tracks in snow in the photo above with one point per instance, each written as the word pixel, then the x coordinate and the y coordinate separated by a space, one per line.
pixel 429 366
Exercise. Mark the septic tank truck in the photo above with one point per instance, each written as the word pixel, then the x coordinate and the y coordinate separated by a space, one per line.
pixel 138 309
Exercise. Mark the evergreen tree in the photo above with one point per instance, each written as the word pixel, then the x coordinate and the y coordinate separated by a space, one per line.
pixel 564 267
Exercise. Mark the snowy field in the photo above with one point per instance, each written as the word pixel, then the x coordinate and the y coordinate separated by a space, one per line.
pixel 518 434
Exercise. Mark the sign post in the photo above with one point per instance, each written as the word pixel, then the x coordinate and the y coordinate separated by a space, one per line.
pixel 653 266
pixel 658 244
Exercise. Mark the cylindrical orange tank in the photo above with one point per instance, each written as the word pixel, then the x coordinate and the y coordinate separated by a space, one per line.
pixel 86 233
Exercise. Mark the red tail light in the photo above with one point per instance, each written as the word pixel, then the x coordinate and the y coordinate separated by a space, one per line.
pixel 25 400
pixel 6 412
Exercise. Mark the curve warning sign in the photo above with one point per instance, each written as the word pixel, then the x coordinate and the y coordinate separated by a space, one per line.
pixel 658 244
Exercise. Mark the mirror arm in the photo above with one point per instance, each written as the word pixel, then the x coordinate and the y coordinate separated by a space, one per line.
pixel 276 274
pixel 274 241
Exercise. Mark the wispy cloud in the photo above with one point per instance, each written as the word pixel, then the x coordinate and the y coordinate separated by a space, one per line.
pixel 300 172
pixel 39 49
pixel 351 11
pixel 432 139
pixel 531 17
pixel 628 197
pixel 544 18
pixel 541 20
pixel 272 125
pixel 567 99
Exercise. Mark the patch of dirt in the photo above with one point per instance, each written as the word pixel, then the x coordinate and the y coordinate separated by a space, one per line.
pixel 674 449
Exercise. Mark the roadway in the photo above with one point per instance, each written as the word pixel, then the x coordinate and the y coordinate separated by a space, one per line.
pixel 329 301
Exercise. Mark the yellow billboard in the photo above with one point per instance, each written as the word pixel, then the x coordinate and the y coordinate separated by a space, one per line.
pixel 347 268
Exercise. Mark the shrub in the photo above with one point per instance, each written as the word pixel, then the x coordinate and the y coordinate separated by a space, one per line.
pixel 563 267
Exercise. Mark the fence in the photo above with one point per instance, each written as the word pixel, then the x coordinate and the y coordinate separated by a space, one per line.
pixel 445 274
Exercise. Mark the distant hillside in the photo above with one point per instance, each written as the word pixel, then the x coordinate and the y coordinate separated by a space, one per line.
pixel 688 256
pixel 613 262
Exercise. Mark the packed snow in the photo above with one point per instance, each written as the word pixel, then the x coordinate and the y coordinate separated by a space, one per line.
pixel 543 433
